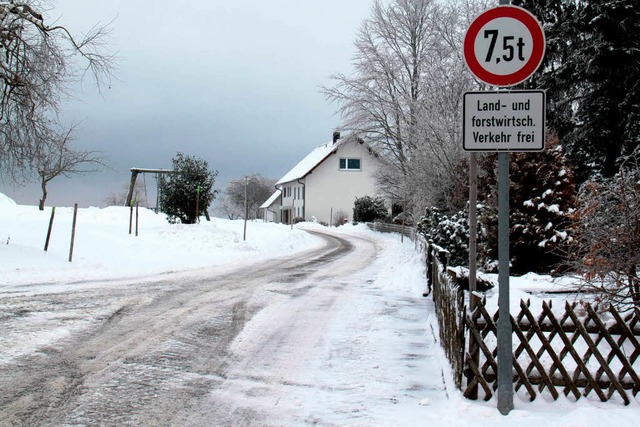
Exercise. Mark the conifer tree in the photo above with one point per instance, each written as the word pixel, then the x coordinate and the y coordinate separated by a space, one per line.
pixel 591 72
pixel 541 203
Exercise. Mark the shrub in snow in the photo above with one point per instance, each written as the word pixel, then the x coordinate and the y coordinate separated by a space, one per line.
pixel 340 218
pixel 460 276
pixel 606 246
pixel 542 201
pixel 451 233
pixel 368 209
pixel 186 194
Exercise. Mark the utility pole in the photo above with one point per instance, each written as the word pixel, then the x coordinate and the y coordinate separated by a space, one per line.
pixel 246 206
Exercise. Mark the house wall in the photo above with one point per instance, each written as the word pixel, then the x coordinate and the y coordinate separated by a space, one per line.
pixel 329 187
pixel 273 213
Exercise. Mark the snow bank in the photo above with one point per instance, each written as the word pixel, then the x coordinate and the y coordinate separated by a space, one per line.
pixel 104 249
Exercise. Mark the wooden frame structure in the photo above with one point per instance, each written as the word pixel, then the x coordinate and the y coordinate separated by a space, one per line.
pixel 134 176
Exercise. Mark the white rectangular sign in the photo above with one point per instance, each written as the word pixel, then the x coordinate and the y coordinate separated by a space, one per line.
pixel 504 121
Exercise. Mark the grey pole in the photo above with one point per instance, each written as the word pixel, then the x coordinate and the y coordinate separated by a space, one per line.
pixel 505 345
pixel 473 224
pixel 246 207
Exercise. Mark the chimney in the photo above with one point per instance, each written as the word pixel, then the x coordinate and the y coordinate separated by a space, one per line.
pixel 336 136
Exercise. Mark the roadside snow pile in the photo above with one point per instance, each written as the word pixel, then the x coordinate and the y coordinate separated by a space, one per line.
pixel 104 249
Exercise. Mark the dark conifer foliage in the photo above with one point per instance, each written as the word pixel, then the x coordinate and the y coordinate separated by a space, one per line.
pixel 541 203
pixel 591 72
pixel 368 209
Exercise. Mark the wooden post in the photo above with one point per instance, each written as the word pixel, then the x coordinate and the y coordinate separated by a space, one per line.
pixel 53 214
pixel 137 216
pixel 134 176
pixel 73 231
pixel 404 214
pixel 198 204
pixel 130 218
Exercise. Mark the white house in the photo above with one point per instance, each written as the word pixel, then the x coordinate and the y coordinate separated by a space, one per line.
pixel 328 181
pixel 271 208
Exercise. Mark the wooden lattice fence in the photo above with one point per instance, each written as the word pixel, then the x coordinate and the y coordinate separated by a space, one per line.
pixel 576 351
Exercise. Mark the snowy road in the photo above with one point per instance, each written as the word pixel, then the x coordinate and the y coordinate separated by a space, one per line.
pixel 243 347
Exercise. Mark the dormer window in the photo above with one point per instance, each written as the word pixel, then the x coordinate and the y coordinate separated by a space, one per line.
pixel 350 164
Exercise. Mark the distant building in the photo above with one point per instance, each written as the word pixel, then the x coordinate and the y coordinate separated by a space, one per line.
pixel 271 208
pixel 326 182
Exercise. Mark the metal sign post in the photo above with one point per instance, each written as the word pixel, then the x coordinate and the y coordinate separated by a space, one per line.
pixel 503 47
pixel 505 339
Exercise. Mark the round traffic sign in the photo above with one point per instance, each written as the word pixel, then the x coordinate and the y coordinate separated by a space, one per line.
pixel 504 46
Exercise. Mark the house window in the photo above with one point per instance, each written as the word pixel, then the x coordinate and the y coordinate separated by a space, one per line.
pixel 350 164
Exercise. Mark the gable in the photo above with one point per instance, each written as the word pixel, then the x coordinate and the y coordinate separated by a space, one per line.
pixel 322 153
pixel 271 200
pixel 306 165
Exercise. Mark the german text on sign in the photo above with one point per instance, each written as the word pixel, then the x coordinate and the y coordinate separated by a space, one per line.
pixel 504 121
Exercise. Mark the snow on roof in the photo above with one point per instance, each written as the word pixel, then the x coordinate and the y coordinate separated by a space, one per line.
pixel 312 160
pixel 271 199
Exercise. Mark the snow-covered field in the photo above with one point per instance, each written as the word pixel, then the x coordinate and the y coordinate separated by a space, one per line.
pixel 104 249
pixel 378 361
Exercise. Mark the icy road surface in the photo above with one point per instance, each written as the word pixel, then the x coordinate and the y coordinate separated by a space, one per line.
pixel 329 337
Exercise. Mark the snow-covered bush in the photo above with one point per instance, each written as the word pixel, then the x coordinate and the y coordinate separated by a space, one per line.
pixel 340 218
pixel 451 233
pixel 368 209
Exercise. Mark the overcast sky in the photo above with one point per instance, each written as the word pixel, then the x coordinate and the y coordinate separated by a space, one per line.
pixel 235 82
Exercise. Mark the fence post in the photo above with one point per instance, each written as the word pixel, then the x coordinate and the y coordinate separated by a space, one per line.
pixel 73 231
pixel 130 218
pixel 46 243
pixel 474 349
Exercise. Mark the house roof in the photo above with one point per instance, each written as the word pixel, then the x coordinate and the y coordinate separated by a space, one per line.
pixel 309 163
pixel 271 199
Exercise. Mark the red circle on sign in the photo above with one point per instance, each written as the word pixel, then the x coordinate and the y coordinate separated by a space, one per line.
pixel 537 36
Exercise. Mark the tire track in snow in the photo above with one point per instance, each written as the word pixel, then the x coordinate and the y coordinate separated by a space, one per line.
pixel 156 352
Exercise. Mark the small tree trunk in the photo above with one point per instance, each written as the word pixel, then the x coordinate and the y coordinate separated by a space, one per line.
pixel 634 286
pixel 43 185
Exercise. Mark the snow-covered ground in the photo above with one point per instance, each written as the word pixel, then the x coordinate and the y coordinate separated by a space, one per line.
pixel 378 361
pixel 104 249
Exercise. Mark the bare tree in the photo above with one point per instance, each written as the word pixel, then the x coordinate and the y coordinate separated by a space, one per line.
pixel 405 92
pixel 258 189
pixel 606 246
pixel 56 157
pixel 38 64
pixel 119 198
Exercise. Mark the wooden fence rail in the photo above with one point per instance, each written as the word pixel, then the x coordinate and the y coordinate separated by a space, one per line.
pixel 384 227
